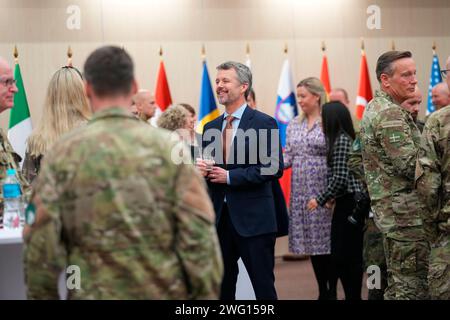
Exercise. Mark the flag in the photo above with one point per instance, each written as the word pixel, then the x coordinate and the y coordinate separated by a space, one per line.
pixel 324 75
pixel 285 111
pixel 208 107
pixel 435 78
pixel 162 94
pixel 364 89
pixel 19 120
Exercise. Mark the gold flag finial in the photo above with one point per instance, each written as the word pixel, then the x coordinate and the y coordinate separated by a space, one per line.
pixel 247 49
pixel 434 47
pixel 203 52
pixel 285 48
pixel 393 45
pixel 160 51
pixel 323 46
pixel 362 44
pixel 16 54
pixel 69 56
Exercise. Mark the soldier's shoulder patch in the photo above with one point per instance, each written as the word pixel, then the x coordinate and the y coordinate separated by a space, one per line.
pixel 356 145
pixel 391 124
pixel 30 214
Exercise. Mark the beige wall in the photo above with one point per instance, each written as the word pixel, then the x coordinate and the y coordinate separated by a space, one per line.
pixel 38 27
pixel 225 27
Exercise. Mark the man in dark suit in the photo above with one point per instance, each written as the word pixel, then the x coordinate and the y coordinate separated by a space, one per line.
pixel 246 148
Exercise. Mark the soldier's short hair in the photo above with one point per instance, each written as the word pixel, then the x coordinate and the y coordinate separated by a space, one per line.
pixel 110 71
pixel 243 73
pixel 384 62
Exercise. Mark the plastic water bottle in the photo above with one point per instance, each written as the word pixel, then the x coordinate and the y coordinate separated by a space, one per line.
pixel 13 213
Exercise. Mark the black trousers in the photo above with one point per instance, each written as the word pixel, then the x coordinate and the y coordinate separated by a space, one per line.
pixel 257 254
pixel 347 248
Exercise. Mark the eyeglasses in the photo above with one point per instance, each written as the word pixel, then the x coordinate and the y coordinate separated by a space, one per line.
pixel 444 73
pixel 8 82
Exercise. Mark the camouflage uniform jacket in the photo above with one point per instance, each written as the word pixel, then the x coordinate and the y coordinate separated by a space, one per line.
pixel 390 142
pixel 9 159
pixel 433 173
pixel 110 199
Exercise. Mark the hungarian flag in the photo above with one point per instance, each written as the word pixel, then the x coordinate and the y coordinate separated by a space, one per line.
pixel 324 75
pixel 19 120
pixel 285 111
pixel 364 89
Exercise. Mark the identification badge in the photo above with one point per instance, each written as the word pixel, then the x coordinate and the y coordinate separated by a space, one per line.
pixel 30 214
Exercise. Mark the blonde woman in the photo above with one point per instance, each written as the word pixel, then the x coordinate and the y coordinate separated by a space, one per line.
pixel 176 118
pixel 66 107
pixel 179 118
pixel 306 153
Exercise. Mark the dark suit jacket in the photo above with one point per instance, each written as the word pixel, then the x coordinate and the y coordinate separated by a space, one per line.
pixel 281 209
pixel 250 196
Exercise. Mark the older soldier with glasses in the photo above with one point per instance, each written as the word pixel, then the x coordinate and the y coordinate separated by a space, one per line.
pixel 10 159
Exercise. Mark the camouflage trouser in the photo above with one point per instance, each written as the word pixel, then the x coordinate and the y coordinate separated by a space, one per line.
pixel 439 275
pixel 374 256
pixel 407 255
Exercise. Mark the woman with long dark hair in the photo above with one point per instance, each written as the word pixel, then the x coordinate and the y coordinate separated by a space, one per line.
pixel 305 153
pixel 346 238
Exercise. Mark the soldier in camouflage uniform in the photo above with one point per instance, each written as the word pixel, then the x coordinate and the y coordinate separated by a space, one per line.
pixel 390 141
pixel 9 159
pixel 111 200
pixel 433 184
pixel 373 251
pixel 373 239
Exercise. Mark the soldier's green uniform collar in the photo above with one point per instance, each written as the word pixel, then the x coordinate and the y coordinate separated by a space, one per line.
pixel 113 112
pixel 382 94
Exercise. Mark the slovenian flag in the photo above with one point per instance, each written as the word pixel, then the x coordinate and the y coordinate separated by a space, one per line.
pixel 285 111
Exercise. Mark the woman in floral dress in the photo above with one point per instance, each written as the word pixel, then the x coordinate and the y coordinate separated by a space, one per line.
pixel 305 153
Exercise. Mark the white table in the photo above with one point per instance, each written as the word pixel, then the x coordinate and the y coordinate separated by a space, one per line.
pixel 244 288
pixel 12 282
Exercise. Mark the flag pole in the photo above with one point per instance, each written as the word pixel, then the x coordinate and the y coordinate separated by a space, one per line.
pixel 69 56
pixel 203 53
pixel 16 55
pixel 247 51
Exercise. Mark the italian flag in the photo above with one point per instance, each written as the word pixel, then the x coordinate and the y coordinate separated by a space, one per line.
pixel 19 121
